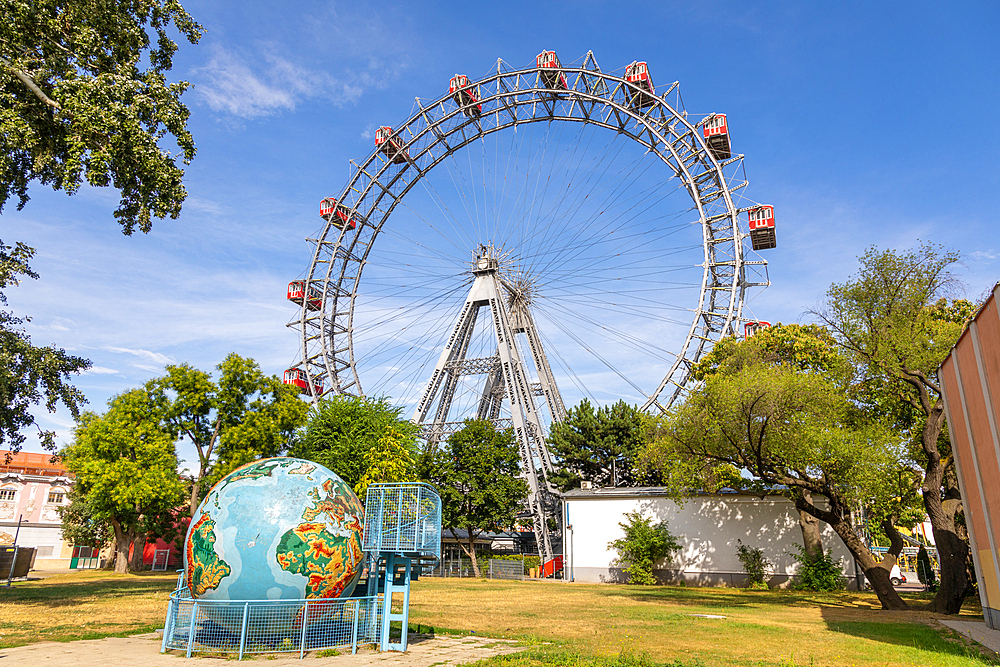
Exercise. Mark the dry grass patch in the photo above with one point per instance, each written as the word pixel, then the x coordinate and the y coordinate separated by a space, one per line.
pixel 760 628
pixel 83 605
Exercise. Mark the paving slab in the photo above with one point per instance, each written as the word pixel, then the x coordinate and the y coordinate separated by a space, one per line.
pixel 144 650
pixel 977 632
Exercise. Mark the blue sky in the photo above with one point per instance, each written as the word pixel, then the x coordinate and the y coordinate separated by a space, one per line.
pixel 862 123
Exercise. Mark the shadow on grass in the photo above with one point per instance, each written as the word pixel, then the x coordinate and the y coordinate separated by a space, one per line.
pixel 735 598
pixel 914 635
pixel 56 593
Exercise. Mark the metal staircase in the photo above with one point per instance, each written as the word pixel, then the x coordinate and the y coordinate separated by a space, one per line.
pixel 402 539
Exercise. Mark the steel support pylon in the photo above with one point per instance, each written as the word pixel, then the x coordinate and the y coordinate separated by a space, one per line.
pixel 507 377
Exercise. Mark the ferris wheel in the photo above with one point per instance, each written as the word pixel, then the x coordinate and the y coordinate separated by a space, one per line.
pixel 530 238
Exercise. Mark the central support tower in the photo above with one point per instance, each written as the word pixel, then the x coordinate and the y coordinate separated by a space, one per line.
pixel 507 376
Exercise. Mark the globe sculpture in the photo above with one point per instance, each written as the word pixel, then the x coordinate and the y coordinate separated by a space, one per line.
pixel 275 529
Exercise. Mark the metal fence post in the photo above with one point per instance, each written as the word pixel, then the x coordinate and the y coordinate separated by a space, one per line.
pixel 354 635
pixel 169 624
pixel 194 615
pixel 305 620
pixel 243 630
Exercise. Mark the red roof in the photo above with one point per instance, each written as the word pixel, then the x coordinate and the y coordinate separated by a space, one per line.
pixel 32 463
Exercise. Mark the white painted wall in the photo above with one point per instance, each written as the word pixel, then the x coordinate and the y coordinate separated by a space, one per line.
pixel 707 527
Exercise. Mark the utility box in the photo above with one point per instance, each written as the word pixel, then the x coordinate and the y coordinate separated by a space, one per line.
pixel 970 386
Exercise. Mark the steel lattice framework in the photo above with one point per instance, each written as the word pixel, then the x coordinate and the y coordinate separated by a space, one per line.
pixel 512 97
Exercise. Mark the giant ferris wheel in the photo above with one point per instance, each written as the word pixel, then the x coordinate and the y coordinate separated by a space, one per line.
pixel 528 239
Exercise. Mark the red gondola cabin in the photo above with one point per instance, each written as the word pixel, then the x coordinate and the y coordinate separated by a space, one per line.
pixel 717 136
pixel 638 73
pixel 336 213
pixel 297 377
pixel 762 227
pixel 750 328
pixel 465 96
pixel 550 70
pixel 297 294
pixel 390 146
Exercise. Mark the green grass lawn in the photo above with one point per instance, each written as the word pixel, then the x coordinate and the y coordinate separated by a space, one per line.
pixel 566 625
pixel 83 605
pixel 626 626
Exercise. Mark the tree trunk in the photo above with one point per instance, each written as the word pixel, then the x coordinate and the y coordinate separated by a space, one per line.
pixel 953 556
pixel 472 554
pixel 138 547
pixel 877 573
pixel 123 539
pixel 812 541
pixel 195 491
pixel 469 549
pixel 953 552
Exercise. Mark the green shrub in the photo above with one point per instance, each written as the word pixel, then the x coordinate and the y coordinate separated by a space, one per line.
pixel 754 564
pixel 817 573
pixel 644 544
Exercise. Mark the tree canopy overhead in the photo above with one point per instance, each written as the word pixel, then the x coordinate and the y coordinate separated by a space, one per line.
pixel 29 375
pixel 84 99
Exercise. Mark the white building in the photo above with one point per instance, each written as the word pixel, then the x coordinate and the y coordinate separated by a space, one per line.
pixel 707 526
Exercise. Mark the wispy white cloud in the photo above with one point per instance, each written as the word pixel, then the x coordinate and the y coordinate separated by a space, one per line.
pixel 984 254
pixel 246 87
pixel 156 357
pixel 101 370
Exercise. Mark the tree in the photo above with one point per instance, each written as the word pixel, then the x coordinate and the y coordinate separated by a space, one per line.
pixel 390 460
pixel 808 348
pixel 244 416
pixel 897 325
pixel 29 374
pixel 600 446
pixel 799 430
pixel 361 439
pixel 125 467
pixel 85 99
pixel 477 474
pixel 82 523
pixel 643 545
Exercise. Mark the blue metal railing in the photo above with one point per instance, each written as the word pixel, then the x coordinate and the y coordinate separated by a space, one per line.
pixel 269 626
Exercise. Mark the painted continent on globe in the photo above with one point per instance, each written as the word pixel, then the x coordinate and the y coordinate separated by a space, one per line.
pixel 279 528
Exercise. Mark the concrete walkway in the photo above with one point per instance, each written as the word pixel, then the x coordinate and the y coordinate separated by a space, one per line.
pixel 977 632
pixel 144 650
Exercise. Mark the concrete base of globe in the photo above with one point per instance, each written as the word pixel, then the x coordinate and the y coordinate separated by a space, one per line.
pixel 243 627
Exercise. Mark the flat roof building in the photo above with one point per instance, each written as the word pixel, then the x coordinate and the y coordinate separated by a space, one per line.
pixel 970 386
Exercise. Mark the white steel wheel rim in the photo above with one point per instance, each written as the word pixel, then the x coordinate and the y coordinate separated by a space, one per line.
pixel 510 98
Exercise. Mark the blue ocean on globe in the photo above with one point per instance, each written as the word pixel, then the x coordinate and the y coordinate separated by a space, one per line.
pixel 275 529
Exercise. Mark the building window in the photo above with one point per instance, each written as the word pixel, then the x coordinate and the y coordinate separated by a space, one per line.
pixel 56 497
pixel 7 494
